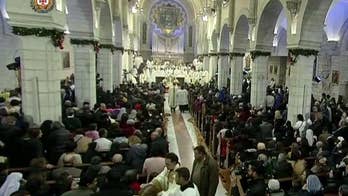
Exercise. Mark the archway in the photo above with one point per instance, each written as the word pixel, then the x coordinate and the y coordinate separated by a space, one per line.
pixel 312 23
pixel 331 66
pixel 240 46
pixel 81 19
pixel 240 39
pixel 83 24
pixel 267 24
pixel 266 42
pixel 104 57
pixel 223 61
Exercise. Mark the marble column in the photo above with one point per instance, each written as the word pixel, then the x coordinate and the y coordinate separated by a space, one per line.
pixel 236 75
pixel 223 71
pixel 205 63
pixel 41 65
pixel 105 68
pixel 259 81
pixel 85 74
pixel 117 71
pixel 213 60
pixel 300 87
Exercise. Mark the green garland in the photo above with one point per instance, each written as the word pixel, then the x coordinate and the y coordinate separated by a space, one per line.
pixel 223 54
pixel 56 35
pixel 83 42
pixel 94 43
pixel 213 54
pixel 236 54
pixel 303 52
pixel 257 53
pixel 295 52
pixel 111 47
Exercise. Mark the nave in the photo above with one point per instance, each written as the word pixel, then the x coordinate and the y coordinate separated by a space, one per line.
pixel 182 138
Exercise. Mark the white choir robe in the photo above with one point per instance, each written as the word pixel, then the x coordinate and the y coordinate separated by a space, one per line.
pixel 187 192
pixel 166 182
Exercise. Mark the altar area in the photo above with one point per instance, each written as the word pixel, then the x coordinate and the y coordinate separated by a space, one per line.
pixel 168 72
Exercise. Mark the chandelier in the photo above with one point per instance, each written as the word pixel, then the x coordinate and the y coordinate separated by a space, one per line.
pixel 136 8
pixel 208 10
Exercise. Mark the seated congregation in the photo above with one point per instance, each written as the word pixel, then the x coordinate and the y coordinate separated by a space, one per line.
pixel 260 152
pixel 108 149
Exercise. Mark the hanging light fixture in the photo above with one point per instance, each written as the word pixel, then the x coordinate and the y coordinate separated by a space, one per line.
pixel 207 11
pixel 136 8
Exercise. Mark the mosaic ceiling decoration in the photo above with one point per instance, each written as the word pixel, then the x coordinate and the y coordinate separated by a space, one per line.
pixel 169 18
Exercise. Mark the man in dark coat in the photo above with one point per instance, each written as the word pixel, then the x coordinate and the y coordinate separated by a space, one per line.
pixel 57 141
pixel 205 172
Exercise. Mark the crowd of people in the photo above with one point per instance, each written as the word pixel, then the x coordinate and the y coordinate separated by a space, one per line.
pixel 258 144
pixel 119 145
pixel 111 147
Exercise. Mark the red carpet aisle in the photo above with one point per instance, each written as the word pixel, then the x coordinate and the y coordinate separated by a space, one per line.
pixel 182 138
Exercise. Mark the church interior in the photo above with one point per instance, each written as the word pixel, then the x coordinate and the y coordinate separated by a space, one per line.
pixel 173 97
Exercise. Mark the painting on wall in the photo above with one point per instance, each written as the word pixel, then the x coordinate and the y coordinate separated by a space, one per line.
pixel 271 69
pixel 66 59
pixel 275 69
pixel 335 77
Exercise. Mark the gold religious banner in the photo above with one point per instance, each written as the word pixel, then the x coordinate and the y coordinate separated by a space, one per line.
pixel 43 6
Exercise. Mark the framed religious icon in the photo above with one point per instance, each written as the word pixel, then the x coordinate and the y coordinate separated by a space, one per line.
pixel 275 70
pixel 335 77
pixel 271 69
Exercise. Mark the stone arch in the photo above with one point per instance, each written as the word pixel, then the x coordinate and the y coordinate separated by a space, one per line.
pixel 335 19
pixel 266 24
pixel 312 23
pixel 240 40
pixel 81 18
pixel 281 43
pixel 3 11
pixel 105 24
pixel 225 38
pixel 344 38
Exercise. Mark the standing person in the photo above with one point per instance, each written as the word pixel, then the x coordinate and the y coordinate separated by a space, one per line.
pixel 165 181
pixel 205 173
pixel 182 99
pixel 172 97
pixel 187 188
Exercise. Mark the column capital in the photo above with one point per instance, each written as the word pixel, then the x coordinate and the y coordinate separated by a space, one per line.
pixel 236 54
pixel 256 53
pixel 296 52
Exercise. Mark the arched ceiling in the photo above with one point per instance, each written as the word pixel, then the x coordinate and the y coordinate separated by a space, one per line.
pixel 336 17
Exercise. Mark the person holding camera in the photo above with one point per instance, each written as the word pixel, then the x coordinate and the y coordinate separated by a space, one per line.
pixel 255 180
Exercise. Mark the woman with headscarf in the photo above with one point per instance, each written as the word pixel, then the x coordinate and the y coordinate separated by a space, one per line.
pixel 12 184
pixel 120 113
pixel 313 187
pixel 310 137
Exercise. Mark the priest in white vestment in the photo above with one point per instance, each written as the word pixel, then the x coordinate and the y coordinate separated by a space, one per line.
pixel 172 96
pixel 165 181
